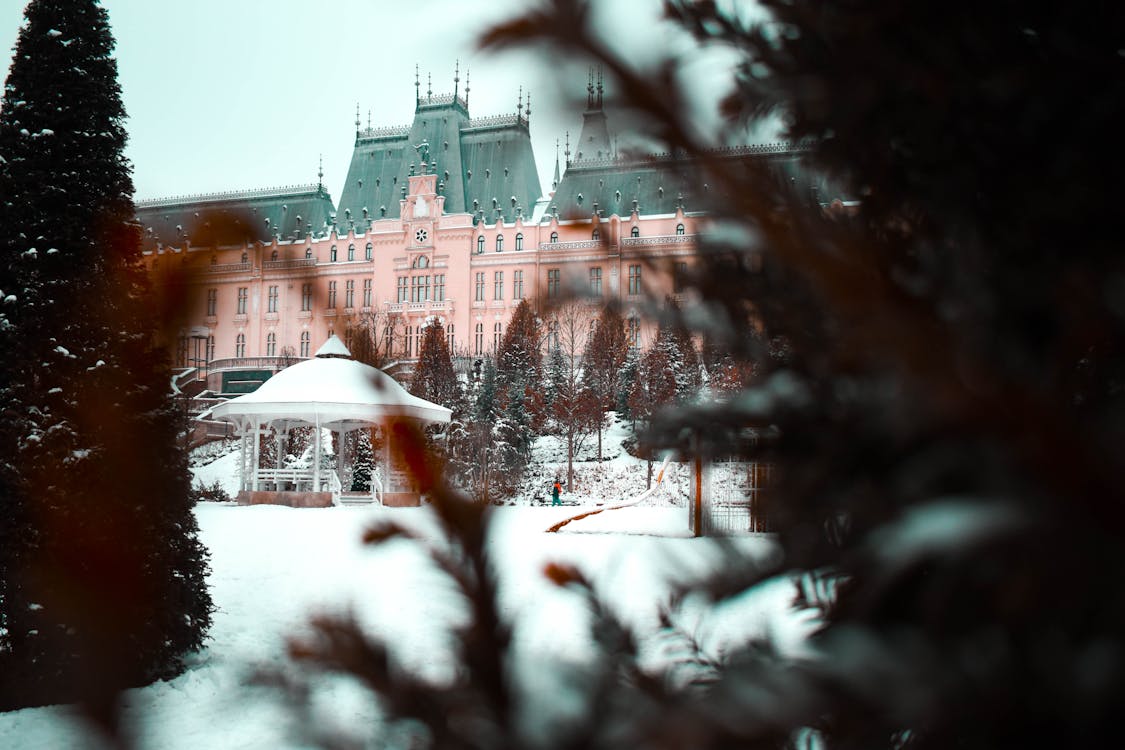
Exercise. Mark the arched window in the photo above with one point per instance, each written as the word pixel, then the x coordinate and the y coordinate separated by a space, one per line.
pixel 554 236
pixel 499 242
pixel 308 253
pixel 332 254
pixel 480 244
pixel 351 252
pixel 245 258
pixel 679 229
pixel 596 234
pixel 304 343
pixel 635 232
pixel 214 259
pixel 370 251
pixel 273 255
pixel 271 345
pixel 519 241
pixel 497 332
pixel 240 345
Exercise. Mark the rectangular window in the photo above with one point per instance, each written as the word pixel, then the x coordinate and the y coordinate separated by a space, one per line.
pixel 439 287
pixel 517 284
pixel 349 293
pixel 306 297
pixel 425 296
pixel 497 332
pixel 595 282
pixel 498 285
pixel 331 294
pixel 367 292
pixel 243 294
pixel 415 288
pixel 212 301
pixel 272 300
pixel 210 348
pixel 479 341
pixel 679 277
pixel 634 279
pixel 409 342
pixel 553 282
pixel 480 287
pixel 401 297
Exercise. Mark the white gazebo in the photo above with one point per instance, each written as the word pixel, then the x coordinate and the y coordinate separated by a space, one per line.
pixel 333 392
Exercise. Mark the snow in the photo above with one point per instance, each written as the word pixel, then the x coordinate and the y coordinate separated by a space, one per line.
pixel 275 567
pixel 54 33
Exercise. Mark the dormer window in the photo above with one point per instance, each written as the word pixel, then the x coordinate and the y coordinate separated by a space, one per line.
pixel 635 232
pixel 499 242
pixel 351 252
pixel 308 253
pixel 332 254
pixel 519 241
pixel 554 236
pixel 273 255
pixel 679 229
pixel 480 244
pixel 245 258
pixel 370 251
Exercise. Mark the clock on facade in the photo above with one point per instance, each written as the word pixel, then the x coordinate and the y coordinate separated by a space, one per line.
pixel 420 236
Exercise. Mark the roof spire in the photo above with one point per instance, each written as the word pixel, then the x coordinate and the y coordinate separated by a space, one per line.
pixel 567 152
pixel 429 86
pixel 369 119
pixel 519 106
pixel 599 87
pixel 456 78
pixel 417 86
pixel 590 88
pixel 527 114
pixel 357 118
pixel 466 85
pixel 555 183
pixel 320 175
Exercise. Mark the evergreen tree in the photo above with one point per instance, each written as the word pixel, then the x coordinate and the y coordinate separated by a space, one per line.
pixel 102 575
pixel 363 462
pixel 518 373
pixel 434 379
pixel 602 362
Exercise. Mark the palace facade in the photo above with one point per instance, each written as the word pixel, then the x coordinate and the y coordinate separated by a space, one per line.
pixel 442 218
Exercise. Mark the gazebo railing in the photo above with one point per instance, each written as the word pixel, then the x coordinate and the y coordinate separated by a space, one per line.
pixel 296 477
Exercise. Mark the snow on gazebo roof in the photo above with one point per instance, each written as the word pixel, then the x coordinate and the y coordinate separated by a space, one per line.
pixel 331 390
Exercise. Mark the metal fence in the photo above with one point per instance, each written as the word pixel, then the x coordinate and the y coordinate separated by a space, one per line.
pixel 735 497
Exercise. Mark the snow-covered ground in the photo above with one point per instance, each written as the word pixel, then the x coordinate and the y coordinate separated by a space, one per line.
pixel 274 568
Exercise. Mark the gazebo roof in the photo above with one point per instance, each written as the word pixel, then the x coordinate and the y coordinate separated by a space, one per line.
pixel 330 391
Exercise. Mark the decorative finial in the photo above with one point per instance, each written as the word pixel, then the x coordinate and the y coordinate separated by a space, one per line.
pixel 429 86
pixel 466 85
pixel 567 152
pixel 519 106
pixel 357 118
pixel 599 87
pixel 527 114
pixel 320 175
pixel 590 88
pixel 417 85
pixel 369 119
pixel 456 77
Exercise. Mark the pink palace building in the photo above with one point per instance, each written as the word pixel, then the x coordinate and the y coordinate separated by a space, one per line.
pixel 442 218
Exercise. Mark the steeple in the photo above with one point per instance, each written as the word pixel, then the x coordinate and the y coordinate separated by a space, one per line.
pixel 320 175
pixel 555 181
pixel 466 85
pixel 594 142
pixel 527 114
pixel 417 86
pixel 519 105
pixel 456 77
pixel 357 119
pixel 429 86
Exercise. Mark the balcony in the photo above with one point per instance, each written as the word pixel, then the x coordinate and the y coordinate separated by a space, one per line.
pixel 281 265
pixel 580 245
pixel 227 268
pixel 663 239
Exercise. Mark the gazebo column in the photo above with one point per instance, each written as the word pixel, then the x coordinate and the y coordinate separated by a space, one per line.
pixel 243 483
pixel 255 485
pixel 340 458
pixel 316 456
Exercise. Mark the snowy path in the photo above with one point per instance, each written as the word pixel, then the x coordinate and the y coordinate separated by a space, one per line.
pixel 273 567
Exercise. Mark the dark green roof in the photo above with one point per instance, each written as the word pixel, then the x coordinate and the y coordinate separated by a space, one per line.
pixel 475 160
pixel 219 219
pixel 660 184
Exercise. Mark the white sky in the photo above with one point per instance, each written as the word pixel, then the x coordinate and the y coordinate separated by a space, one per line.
pixel 240 94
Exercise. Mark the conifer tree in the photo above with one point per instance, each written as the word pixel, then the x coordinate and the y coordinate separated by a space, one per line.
pixel 434 379
pixel 102 575
pixel 518 373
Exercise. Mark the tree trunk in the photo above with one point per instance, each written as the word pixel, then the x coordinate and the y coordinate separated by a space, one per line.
pixel 570 458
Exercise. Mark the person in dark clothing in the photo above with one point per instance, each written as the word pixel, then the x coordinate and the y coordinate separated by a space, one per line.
pixel 555 493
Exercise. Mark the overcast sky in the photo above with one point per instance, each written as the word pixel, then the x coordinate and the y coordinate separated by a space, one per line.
pixel 241 94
